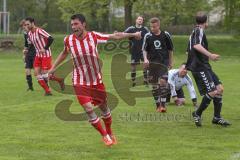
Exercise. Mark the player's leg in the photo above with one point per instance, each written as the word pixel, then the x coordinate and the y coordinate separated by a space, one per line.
pixel 83 94
pixel 28 67
pixel 207 89
pixel 99 97
pixel 145 72
pixel 107 119
pixel 154 76
pixel 134 62
pixel 156 95
pixel 217 102
pixel 38 74
pixel 133 73
pixel 163 90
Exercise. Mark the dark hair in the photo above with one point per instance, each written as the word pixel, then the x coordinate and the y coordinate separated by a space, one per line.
pixel 154 20
pixel 201 18
pixel 80 17
pixel 30 19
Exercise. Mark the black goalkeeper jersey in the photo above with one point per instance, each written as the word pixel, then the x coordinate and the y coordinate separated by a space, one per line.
pixel 29 46
pixel 158 47
pixel 196 60
pixel 136 45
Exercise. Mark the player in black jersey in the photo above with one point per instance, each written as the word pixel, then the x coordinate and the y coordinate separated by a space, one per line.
pixel 136 48
pixel 209 85
pixel 28 56
pixel 158 56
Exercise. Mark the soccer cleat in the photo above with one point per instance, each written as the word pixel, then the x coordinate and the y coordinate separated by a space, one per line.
pixel 197 119
pixel 48 94
pixel 62 85
pixel 161 109
pixel 114 139
pixel 107 140
pixel 220 121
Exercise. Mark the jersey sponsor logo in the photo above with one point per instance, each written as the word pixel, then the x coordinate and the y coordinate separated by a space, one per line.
pixel 157 44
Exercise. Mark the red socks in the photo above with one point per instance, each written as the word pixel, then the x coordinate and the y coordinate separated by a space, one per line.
pixel 98 126
pixel 54 78
pixel 44 85
pixel 107 119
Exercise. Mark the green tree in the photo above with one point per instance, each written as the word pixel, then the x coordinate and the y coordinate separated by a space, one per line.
pixel 96 12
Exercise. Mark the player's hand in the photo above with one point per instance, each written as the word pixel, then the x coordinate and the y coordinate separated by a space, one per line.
pixel 178 101
pixel 146 63
pixel 42 51
pixel 214 57
pixel 25 51
pixel 137 35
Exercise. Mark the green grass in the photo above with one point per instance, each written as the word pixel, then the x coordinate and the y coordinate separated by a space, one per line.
pixel 31 130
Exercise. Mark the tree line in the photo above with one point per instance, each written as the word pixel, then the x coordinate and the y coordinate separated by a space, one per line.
pixel 111 15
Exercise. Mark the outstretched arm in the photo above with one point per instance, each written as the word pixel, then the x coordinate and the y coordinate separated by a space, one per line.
pixel 61 57
pixel 122 35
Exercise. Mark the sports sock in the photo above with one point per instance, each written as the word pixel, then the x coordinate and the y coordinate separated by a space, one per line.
pixel 29 81
pixel 42 83
pixel 155 93
pixel 133 76
pixel 204 104
pixel 107 119
pixel 217 101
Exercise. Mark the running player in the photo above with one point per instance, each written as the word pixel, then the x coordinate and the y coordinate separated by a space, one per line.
pixel 87 76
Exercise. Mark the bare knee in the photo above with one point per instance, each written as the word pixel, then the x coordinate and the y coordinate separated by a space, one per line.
pixel 220 89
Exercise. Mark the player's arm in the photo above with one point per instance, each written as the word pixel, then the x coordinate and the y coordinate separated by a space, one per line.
pixel 170 59
pixel 170 49
pixel 171 82
pixel 61 57
pixel 191 90
pixel 49 42
pixel 197 45
pixel 25 49
pixel 144 50
pixel 49 39
pixel 123 35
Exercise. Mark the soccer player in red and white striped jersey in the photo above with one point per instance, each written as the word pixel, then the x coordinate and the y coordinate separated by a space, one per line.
pixel 43 59
pixel 87 76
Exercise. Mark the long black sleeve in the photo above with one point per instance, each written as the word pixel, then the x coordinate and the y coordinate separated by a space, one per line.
pixel 25 40
pixel 49 42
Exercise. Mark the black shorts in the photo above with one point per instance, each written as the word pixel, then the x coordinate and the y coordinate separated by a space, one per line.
pixel 180 93
pixel 157 71
pixel 29 60
pixel 136 57
pixel 206 81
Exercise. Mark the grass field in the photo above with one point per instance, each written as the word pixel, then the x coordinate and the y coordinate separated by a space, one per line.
pixel 30 130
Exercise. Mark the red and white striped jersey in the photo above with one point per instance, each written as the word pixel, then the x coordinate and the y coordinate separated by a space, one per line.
pixel 87 69
pixel 39 39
